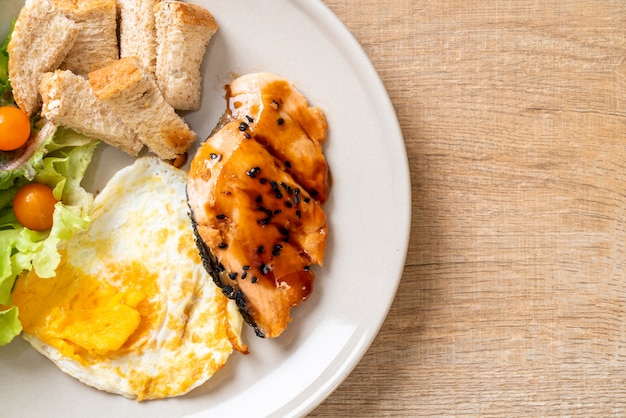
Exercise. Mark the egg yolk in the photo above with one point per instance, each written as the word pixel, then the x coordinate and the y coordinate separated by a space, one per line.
pixel 80 315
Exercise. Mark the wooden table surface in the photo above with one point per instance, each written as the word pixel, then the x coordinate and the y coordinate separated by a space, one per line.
pixel 513 299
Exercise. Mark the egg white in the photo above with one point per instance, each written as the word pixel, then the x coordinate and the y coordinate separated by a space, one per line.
pixel 141 218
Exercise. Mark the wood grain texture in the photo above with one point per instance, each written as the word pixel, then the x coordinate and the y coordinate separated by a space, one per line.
pixel 513 299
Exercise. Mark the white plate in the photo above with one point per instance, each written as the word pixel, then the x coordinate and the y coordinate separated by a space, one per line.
pixel 369 222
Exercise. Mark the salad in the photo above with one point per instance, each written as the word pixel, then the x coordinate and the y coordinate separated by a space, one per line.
pixel 53 160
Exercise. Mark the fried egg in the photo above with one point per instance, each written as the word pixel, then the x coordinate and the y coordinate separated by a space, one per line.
pixel 132 310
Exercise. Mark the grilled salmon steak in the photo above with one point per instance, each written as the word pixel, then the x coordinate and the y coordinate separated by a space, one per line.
pixel 255 189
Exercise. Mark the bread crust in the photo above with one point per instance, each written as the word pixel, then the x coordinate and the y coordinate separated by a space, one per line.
pixel 134 95
pixel 183 33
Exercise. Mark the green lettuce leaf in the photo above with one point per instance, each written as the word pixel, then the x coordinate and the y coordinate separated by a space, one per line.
pixel 65 165
pixel 9 325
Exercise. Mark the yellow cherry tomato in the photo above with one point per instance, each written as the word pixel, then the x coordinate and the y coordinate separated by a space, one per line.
pixel 33 206
pixel 14 128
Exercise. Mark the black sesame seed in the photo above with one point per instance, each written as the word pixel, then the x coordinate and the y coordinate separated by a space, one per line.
pixel 247 135
pixel 243 126
pixel 213 155
pixel 287 164
pixel 221 216
pixel 287 188
pixel 277 249
pixel 288 204
pixel 307 200
pixel 233 275
pixel 246 267
pixel 307 268
pixel 254 279
pixel 253 171
pixel 279 195
pixel 297 191
pixel 283 230
pixel 249 118
pixel 296 199
pixel 263 180
pixel 314 193
pixel 244 275
pixel 273 184
pixel 260 249
pixel 227 290
pixel 298 214
pixel 266 211
pixel 264 269
pixel 280 121
pixel 223 245
pixel 277 212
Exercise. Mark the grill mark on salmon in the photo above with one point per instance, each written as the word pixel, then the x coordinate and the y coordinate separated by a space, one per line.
pixel 282 120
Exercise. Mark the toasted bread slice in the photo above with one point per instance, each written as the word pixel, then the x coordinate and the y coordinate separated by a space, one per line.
pixel 137 31
pixel 69 101
pixel 41 39
pixel 183 34
pixel 96 44
pixel 134 95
